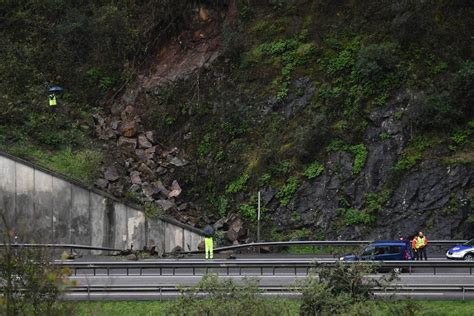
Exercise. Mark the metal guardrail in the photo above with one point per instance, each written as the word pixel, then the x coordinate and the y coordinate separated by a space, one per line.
pixel 263 267
pixel 172 289
pixel 235 247
pixel 61 246
pixel 318 243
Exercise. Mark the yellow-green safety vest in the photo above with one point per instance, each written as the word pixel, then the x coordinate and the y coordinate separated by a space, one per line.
pixel 52 100
pixel 420 242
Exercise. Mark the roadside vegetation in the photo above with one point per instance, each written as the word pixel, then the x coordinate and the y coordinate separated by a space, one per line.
pixel 31 284
pixel 155 308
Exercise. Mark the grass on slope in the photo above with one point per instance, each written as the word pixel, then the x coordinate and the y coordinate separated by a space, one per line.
pixel 82 165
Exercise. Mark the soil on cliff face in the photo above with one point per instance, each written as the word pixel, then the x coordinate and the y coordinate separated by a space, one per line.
pixel 199 132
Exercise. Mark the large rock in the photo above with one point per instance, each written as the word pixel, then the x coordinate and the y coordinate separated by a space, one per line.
pixel 128 113
pixel 161 188
pixel 175 189
pixel 201 246
pixel 231 235
pixel 135 177
pixel 145 170
pixel 129 129
pixel 111 174
pixel 128 144
pixel 176 250
pixel 166 205
pixel 161 171
pixel 143 142
pixel 151 152
pixel 101 184
pixel 235 230
pixel 149 190
pixel 151 137
pixel 178 162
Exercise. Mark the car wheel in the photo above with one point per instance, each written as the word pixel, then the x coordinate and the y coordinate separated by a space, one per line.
pixel 469 257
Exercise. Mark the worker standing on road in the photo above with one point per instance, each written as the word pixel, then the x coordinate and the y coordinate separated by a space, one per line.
pixel 208 242
pixel 413 247
pixel 421 243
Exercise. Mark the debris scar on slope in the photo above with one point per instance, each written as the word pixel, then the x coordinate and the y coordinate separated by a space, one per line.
pixel 194 48
pixel 182 57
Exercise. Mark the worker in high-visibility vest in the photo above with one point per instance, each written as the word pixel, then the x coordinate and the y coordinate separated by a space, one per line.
pixel 52 100
pixel 421 243
pixel 209 242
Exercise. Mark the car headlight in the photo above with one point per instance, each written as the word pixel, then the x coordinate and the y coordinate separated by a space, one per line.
pixel 341 258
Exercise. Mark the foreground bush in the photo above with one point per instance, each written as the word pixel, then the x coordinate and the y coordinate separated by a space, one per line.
pixel 31 283
pixel 346 290
pixel 214 297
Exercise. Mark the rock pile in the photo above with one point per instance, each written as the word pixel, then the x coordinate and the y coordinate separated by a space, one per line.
pixel 143 168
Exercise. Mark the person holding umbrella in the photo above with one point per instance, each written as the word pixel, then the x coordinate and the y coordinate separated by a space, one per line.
pixel 53 102
pixel 208 242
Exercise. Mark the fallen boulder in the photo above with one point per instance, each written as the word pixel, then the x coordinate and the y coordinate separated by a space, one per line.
pixel 111 174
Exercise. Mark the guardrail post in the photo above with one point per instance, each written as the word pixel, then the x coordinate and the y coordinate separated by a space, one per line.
pixel 463 293
pixel 434 270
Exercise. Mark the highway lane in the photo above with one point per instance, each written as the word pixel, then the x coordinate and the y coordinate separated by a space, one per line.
pixel 162 283
pixel 164 287
pixel 267 280
pixel 231 266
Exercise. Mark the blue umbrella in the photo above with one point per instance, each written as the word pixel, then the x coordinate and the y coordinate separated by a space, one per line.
pixel 56 89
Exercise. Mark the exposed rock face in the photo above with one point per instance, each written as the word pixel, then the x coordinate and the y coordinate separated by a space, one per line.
pixel 417 202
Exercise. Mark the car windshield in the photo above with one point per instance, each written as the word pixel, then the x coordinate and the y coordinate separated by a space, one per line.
pixel 369 251
pixel 469 243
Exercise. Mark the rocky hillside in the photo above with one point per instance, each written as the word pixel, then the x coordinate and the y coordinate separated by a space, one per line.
pixel 353 119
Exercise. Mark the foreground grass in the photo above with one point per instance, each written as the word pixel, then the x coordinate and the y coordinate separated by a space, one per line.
pixel 458 308
pixel 151 308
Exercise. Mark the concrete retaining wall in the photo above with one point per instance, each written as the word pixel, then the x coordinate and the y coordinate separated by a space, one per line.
pixel 45 207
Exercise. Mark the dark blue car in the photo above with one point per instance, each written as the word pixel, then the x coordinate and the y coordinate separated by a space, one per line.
pixel 384 251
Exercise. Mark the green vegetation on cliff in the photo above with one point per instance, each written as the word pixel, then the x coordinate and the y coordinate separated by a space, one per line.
pixel 297 84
